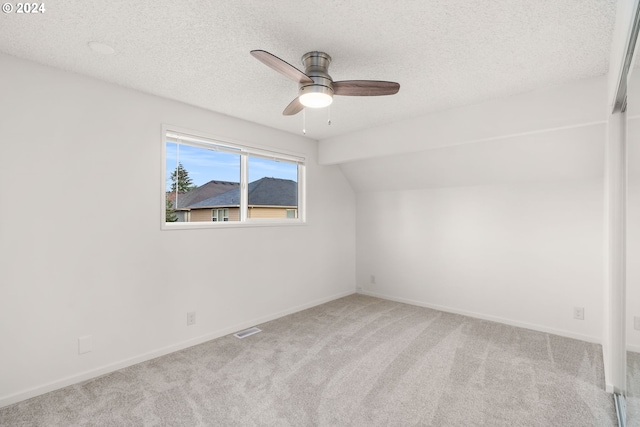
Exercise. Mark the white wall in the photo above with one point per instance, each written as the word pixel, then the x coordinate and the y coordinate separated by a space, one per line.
pixel 521 254
pixel 81 250
pixel 557 155
pixel 502 226
pixel 568 105
pixel 633 210
pixel 633 226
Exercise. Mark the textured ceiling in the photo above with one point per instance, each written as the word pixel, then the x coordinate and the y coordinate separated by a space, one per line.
pixel 444 53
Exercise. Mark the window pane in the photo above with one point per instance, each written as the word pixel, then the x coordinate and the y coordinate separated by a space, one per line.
pixel 273 188
pixel 210 180
pixel 199 180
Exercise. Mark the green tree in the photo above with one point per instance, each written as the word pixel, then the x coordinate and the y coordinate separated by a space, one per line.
pixel 170 212
pixel 180 180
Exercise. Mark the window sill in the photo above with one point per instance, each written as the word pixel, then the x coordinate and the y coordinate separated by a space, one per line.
pixel 231 224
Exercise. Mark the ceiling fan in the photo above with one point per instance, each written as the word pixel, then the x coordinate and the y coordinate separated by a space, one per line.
pixel 315 86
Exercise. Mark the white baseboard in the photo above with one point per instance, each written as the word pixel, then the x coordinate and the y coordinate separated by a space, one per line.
pixel 103 370
pixel 535 327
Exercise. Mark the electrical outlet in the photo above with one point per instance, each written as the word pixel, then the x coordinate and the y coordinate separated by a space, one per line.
pixel 373 279
pixel 636 323
pixel 84 344
pixel 191 318
pixel 578 313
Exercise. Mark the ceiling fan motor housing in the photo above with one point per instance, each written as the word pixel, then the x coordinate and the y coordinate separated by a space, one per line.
pixel 316 65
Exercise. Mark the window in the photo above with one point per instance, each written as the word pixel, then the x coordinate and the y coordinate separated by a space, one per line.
pixel 220 214
pixel 208 180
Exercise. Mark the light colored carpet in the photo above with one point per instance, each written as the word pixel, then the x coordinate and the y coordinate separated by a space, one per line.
pixel 356 361
pixel 633 389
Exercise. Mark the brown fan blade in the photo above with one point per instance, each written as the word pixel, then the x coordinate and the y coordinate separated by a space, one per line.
pixel 293 108
pixel 281 66
pixel 365 88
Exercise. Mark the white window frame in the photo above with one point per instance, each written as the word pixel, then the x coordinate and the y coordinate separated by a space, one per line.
pixel 199 139
pixel 225 214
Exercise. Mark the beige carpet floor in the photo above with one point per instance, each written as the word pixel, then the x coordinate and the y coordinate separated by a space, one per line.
pixel 633 389
pixel 356 361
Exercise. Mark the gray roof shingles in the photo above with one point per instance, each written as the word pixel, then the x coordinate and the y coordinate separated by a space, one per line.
pixel 263 192
pixel 205 191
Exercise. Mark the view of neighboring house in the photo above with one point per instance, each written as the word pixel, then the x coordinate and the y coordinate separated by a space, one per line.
pixel 268 198
pixel 198 194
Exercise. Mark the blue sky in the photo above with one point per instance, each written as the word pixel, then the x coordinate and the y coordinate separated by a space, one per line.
pixel 204 165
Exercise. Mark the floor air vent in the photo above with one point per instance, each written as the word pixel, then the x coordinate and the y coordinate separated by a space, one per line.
pixel 247 332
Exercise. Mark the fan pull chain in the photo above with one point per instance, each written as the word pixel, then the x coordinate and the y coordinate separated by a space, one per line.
pixel 329 115
pixel 304 122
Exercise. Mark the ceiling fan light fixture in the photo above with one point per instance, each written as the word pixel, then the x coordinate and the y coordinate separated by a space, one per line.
pixel 316 95
pixel 316 99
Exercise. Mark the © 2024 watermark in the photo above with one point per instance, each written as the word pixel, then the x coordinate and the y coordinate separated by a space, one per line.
pixel 23 8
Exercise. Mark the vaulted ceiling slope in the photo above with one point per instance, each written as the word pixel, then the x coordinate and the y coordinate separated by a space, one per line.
pixel 444 53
